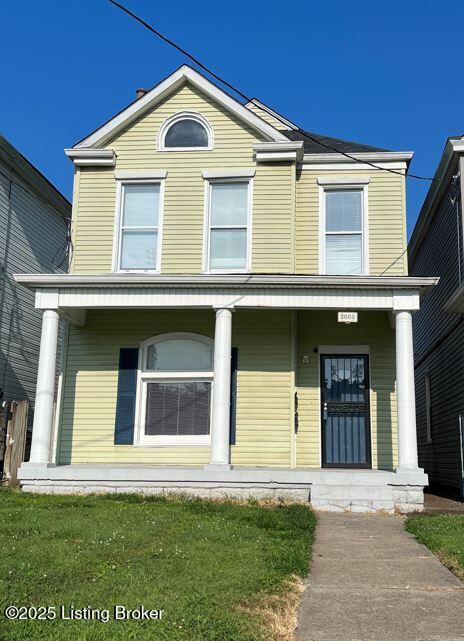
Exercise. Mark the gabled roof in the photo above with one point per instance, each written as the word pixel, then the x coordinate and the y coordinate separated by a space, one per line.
pixel 166 87
pixel 336 144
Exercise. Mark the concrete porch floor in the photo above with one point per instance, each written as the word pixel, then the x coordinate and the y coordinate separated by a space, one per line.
pixel 372 581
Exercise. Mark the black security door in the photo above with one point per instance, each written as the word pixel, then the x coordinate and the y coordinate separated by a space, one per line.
pixel 345 411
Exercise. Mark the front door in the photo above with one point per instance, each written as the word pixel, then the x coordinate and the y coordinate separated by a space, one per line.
pixel 345 410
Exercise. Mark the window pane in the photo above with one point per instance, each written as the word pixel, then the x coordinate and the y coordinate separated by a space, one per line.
pixel 180 355
pixel 343 210
pixel 229 204
pixel 186 133
pixel 228 249
pixel 141 205
pixel 178 409
pixel 138 249
pixel 343 254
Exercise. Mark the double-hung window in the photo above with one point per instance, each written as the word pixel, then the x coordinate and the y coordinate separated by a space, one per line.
pixel 175 390
pixel 343 238
pixel 228 227
pixel 138 242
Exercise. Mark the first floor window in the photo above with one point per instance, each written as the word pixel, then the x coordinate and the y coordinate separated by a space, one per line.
pixel 228 226
pixel 175 388
pixel 343 233
pixel 139 227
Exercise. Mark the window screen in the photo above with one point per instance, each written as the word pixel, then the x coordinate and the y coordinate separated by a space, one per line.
pixel 343 231
pixel 139 226
pixel 178 408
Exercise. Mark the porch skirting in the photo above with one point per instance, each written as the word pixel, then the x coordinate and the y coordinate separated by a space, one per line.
pixel 333 490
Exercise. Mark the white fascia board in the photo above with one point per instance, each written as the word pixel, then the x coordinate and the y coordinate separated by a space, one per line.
pixel 47 281
pixel 141 174
pixel 211 174
pixel 287 125
pixel 457 145
pixel 278 151
pixel 341 180
pixel 351 167
pixel 166 87
pixel 80 157
pixel 371 156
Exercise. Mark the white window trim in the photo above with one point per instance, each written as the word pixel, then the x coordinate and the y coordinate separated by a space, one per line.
pixel 117 245
pixel 185 115
pixel 144 440
pixel 337 186
pixel 207 229
pixel 428 407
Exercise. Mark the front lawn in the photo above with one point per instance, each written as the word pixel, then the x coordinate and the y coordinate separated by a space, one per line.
pixel 444 535
pixel 221 571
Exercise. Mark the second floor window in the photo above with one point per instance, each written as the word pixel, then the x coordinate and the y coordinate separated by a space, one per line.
pixel 342 240
pixel 139 223
pixel 228 226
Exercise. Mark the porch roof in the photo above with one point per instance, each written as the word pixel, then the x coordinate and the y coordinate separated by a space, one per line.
pixel 72 295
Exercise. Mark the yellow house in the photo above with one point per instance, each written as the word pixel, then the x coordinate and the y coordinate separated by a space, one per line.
pixel 238 312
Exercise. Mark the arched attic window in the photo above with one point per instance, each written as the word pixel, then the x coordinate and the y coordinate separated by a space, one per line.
pixel 175 389
pixel 186 131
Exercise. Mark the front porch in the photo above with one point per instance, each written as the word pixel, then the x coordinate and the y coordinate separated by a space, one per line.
pixel 264 437
pixel 327 489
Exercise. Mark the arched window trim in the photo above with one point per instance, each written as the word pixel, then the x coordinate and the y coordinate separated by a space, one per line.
pixel 185 115
pixel 145 376
pixel 161 338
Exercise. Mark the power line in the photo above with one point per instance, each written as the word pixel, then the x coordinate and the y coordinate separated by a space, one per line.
pixel 248 99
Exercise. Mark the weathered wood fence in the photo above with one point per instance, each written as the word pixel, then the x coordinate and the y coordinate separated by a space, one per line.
pixel 14 423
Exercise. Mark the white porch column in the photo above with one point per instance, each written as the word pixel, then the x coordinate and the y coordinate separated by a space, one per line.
pixel 407 438
pixel 221 395
pixel 43 413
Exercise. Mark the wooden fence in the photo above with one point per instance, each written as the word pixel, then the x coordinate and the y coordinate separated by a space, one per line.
pixel 15 440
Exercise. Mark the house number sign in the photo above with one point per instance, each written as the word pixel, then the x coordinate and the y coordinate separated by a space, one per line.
pixel 347 317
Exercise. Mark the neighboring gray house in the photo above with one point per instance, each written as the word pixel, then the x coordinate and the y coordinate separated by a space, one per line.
pixel 436 248
pixel 33 239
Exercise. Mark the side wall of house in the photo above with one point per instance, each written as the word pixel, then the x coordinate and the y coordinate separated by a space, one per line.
pixel 439 344
pixel 31 233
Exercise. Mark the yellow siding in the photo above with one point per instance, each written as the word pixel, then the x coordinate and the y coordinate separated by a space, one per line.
pixel 90 388
pixel 273 209
pixel 373 329
pixel 269 118
pixel 273 218
pixel 386 220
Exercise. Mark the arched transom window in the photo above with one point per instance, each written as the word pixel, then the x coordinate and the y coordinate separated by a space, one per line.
pixel 175 390
pixel 186 131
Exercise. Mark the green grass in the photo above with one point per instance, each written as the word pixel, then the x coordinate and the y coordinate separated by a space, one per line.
pixel 444 535
pixel 199 561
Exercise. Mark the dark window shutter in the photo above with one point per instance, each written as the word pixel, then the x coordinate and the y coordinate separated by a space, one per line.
pixel 127 389
pixel 233 396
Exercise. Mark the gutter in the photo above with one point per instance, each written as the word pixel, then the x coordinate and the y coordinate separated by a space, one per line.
pixel 247 281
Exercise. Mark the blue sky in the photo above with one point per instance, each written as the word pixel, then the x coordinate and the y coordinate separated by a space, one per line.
pixel 382 73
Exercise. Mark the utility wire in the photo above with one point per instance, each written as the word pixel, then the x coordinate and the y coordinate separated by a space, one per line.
pixel 254 102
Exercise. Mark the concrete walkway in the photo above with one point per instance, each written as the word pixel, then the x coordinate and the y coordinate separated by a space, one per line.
pixel 371 581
